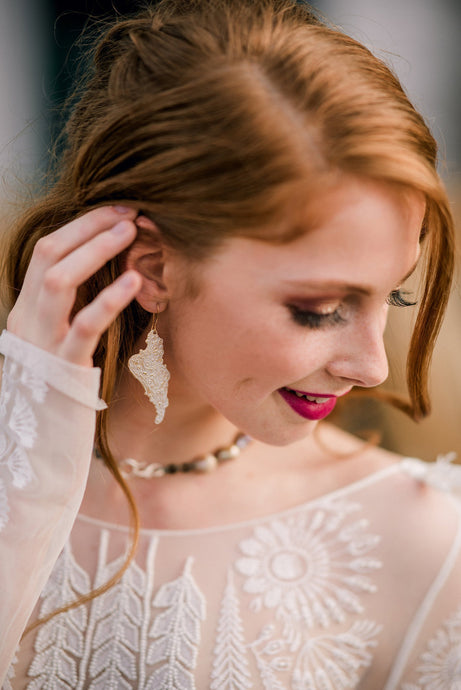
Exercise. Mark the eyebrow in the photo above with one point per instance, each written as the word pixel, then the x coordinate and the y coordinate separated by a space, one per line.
pixel 346 287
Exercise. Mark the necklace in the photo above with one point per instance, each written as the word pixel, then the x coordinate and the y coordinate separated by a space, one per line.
pixel 203 464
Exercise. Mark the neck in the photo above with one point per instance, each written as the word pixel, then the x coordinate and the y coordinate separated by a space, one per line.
pixel 190 427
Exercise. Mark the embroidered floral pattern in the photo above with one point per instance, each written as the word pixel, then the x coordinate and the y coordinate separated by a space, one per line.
pixel 333 661
pixel 266 651
pixel 440 663
pixel 310 567
pixel 308 573
pixel 19 429
pixel 442 474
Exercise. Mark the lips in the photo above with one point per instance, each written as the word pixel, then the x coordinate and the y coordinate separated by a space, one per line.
pixel 311 406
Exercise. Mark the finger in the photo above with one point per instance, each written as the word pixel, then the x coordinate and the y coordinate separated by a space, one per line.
pixel 44 316
pixel 82 229
pixel 91 322
pixel 58 244
pixel 84 261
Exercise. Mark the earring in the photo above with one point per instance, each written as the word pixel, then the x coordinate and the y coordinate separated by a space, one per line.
pixel 147 366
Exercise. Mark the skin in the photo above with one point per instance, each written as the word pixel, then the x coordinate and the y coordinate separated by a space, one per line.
pixel 230 349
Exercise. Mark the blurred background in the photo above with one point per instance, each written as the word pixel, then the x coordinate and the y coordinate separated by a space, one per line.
pixel 418 38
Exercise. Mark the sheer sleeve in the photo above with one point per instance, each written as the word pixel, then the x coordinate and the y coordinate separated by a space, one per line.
pixel 47 422
pixel 430 654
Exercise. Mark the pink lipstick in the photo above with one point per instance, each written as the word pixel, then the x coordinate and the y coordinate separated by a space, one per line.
pixel 312 406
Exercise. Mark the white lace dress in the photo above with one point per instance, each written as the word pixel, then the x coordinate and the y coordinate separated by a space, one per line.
pixel 360 588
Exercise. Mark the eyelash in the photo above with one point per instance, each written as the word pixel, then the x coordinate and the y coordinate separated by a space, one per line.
pixel 312 319
pixel 397 298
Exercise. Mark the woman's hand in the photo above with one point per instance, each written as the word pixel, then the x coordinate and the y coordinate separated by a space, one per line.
pixel 60 263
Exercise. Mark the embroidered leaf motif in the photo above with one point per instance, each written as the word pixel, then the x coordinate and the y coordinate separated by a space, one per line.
pixel 59 643
pixel 10 673
pixel 230 665
pixel 116 617
pixel 264 651
pixel 176 633
pixel 331 662
pixel 440 664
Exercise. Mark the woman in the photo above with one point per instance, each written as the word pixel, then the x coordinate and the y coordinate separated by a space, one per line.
pixel 243 193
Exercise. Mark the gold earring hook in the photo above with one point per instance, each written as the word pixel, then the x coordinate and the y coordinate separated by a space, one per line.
pixel 154 324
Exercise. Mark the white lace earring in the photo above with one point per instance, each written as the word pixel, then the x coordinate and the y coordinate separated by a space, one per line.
pixel 147 366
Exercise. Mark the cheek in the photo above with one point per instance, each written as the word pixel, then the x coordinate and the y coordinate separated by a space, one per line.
pixel 221 348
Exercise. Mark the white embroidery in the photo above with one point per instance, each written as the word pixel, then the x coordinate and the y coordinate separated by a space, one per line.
pixel 4 445
pixel 5 392
pixel 310 568
pixel 176 633
pixel 23 421
pixel 59 642
pixel 266 646
pixel 4 506
pixel 19 433
pixel 35 384
pixel 116 619
pixel 230 664
pixel 19 467
pixel 440 664
pixel 7 685
pixel 332 661
pixel 442 474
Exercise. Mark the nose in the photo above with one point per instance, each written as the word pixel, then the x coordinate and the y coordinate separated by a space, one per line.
pixel 360 357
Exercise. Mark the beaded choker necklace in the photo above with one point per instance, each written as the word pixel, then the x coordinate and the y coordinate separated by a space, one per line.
pixel 205 463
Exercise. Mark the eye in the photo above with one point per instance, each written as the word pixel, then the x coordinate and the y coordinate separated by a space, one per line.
pixel 398 298
pixel 314 319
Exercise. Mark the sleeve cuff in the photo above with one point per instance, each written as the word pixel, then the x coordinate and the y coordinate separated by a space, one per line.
pixel 76 382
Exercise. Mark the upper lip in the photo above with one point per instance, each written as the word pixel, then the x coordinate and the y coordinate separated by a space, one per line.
pixel 318 395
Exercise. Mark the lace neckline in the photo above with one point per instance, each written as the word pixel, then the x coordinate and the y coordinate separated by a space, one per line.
pixel 330 495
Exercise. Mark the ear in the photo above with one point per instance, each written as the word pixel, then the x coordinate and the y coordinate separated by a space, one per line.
pixel 148 255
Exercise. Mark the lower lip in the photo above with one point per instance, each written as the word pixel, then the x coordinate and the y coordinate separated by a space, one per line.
pixel 306 408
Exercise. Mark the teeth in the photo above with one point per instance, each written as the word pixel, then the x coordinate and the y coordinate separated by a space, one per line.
pixel 311 398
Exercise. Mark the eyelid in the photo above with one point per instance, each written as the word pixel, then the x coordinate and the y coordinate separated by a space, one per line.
pixel 317 305
pixel 314 319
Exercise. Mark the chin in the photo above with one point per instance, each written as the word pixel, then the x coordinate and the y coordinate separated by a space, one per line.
pixel 283 435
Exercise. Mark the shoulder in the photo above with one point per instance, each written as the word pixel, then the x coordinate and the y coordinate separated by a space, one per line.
pixel 418 501
pixel 443 474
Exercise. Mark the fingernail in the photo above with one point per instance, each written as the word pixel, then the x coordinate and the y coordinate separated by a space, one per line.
pixel 122 209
